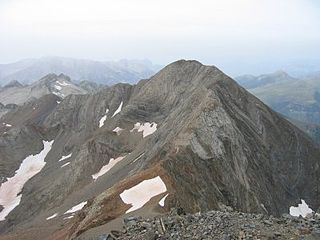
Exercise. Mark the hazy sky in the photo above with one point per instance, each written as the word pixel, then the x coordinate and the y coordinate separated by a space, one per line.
pixel 238 36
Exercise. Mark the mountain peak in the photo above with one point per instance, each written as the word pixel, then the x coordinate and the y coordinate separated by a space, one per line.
pixel 281 73
pixel 13 83
pixel 51 77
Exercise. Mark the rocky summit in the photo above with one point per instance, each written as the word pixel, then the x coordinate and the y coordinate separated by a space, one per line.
pixel 226 225
pixel 188 138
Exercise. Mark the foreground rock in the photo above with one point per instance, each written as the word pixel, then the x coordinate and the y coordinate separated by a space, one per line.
pixel 218 225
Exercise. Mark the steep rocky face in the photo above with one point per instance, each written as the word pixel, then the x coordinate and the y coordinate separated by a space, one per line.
pixel 190 131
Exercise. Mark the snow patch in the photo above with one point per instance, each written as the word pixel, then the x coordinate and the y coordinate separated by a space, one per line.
pixel 138 157
pixel 7 124
pixel 103 119
pixel 107 167
pixel 65 157
pixel 117 130
pixel 302 209
pixel 52 216
pixel 63 83
pixel 118 109
pixel 58 102
pixel 76 207
pixel 66 164
pixel 58 94
pixel 10 191
pixel 161 202
pixel 140 194
pixel 146 128
pixel 58 87
pixel 68 217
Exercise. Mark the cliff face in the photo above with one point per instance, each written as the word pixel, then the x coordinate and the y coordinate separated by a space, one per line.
pixel 210 141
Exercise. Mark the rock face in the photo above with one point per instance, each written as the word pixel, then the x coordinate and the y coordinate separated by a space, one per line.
pixel 209 141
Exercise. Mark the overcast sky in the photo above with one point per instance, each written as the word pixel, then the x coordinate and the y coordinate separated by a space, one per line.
pixel 239 36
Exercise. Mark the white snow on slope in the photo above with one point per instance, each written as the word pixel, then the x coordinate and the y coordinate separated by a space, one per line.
pixel 138 158
pixel 146 128
pixel 10 190
pixel 107 167
pixel 63 83
pixel 103 119
pixel 66 164
pixel 117 130
pixel 7 124
pixel 140 194
pixel 302 209
pixel 161 202
pixel 58 94
pixel 52 216
pixel 118 110
pixel 65 157
pixel 58 87
pixel 69 217
pixel 76 207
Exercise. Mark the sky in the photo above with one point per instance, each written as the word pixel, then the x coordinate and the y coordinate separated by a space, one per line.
pixel 239 36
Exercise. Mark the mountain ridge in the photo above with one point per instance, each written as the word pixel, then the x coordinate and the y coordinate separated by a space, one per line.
pixel 210 142
pixel 107 72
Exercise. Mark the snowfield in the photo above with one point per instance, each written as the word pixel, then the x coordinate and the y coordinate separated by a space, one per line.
pixel 107 167
pixel 52 216
pixel 65 157
pixel 117 130
pixel 118 110
pixel 7 124
pixel 103 119
pixel 146 128
pixel 63 83
pixel 76 207
pixel 66 164
pixel 58 94
pixel 161 202
pixel 302 209
pixel 140 194
pixel 58 87
pixel 10 191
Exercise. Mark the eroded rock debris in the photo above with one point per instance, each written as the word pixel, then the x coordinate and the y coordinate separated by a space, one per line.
pixel 226 225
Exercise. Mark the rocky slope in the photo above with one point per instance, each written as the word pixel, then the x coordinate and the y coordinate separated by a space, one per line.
pixel 218 225
pixel 189 137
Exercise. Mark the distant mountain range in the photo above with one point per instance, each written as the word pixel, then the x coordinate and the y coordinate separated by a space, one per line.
pixel 107 73
pixel 296 98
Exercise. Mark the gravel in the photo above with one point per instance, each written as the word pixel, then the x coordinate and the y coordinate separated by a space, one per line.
pixel 226 225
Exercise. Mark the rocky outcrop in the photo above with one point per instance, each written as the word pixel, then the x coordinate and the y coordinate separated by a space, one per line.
pixel 217 225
